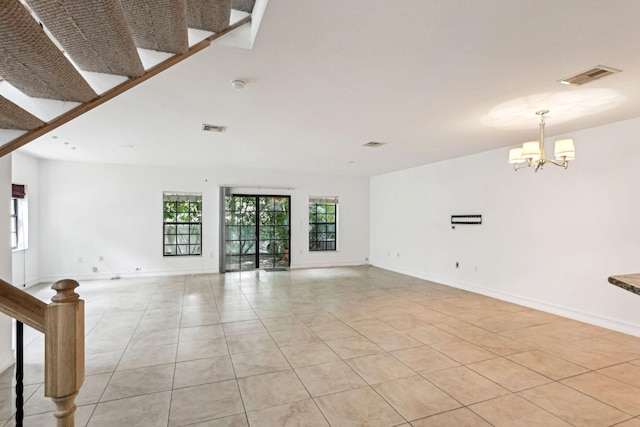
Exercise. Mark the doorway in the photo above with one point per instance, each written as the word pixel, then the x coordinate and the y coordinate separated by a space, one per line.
pixel 257 232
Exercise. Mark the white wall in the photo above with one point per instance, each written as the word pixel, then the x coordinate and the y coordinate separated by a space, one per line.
pixel 26 263
pixel 6 353
pixel 114 211
pixel 548 240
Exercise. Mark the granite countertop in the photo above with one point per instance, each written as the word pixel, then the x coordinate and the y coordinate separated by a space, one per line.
pixel 629 282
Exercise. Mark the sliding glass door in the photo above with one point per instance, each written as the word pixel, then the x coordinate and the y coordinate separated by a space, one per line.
pixel 257 233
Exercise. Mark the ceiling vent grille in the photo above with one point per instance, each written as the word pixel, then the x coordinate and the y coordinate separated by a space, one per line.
pixel 374 144
pixel 213 128
pixel 595 73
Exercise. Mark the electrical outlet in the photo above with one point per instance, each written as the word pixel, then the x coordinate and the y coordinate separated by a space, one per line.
pixel 100 258
pixel 94 269
pixel 138 269
pixel 457 264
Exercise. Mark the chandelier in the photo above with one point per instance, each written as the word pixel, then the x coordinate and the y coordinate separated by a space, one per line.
pixel 532 153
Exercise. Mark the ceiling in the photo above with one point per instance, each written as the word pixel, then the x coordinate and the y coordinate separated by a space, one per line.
pixel 432 79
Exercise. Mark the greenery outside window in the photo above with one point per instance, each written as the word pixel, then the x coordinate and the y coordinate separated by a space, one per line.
pixel 323 221
pixel 182 224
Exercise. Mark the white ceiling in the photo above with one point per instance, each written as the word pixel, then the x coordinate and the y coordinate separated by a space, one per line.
pixel 432 79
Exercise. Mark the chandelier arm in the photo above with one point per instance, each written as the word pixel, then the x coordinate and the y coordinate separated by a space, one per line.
pixel 517 166
pixel 564 163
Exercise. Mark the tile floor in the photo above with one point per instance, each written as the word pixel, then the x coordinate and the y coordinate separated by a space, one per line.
pixel 332 347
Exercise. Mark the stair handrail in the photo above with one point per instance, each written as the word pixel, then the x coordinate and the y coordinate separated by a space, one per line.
pixel 62 322
pixel 22 306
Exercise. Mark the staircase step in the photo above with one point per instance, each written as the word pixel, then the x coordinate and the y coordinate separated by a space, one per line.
pixel 94 33
pixel 209 15
pixel 244 5
pixel 31 62
pixel 160 25
pixel 14 117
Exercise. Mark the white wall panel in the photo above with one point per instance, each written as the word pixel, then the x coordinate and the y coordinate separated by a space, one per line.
pixel 548 239
pixel 114 211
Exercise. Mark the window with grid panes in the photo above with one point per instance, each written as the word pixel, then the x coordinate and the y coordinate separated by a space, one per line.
pixel 323 221
pixel 19 219
pixel 14 223
pixel 182 224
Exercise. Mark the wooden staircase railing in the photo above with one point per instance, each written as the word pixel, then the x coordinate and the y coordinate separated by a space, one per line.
pixel 62 322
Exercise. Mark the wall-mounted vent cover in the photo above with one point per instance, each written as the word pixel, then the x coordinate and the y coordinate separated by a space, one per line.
pixel 374 144
pixel 595 73
pixel 213 128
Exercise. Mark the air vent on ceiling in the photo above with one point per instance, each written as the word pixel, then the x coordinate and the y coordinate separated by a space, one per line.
pixel 374 144
pixel 213 128
pixel 597 72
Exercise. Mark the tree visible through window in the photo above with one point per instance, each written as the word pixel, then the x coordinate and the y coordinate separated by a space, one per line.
pixel 182 224
pixel 323 217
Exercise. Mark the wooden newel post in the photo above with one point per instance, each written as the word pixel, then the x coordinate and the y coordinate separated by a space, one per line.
pixel 64 350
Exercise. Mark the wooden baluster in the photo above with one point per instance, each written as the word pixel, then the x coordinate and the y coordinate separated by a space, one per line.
pixel 64 350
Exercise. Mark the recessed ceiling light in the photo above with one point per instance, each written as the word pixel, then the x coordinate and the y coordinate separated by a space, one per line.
pixel 238 83
pixel 374 144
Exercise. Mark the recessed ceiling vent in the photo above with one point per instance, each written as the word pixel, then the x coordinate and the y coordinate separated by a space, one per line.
pixel 597 72
pixel 213 128
pixel 374 144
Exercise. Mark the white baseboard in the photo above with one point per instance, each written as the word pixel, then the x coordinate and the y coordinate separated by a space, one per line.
pixel 129 275
pixel 546 306
pixel 300 266
pixel 29 283
pixel 181 272
pixel 6 360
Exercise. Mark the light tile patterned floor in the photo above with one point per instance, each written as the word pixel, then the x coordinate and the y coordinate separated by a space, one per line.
pixel 332 347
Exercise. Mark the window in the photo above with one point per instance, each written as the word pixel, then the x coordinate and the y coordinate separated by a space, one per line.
pixel 182 224
pixel 323 218
pixel 18 217
pixel 14 223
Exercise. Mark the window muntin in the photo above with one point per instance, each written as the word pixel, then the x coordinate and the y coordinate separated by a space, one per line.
pixel 182 225
pixel 323 221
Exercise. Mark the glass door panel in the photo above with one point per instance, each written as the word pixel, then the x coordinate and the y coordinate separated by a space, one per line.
pixel 240 232
pixel 257 232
